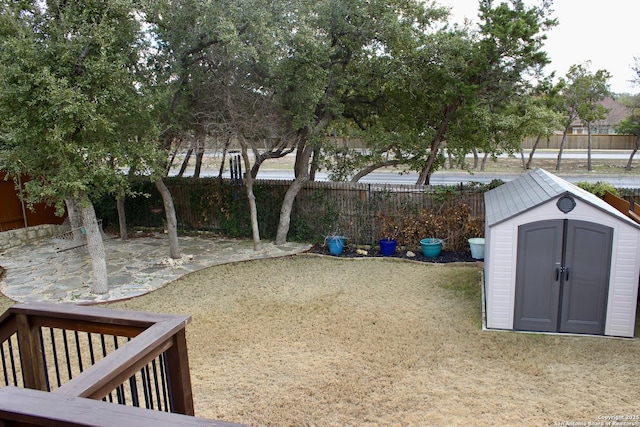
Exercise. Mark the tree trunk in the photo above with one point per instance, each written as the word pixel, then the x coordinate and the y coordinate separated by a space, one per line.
pixel 484 161
pixel 302 176
pixel 562 143
pixel 172 222
pixel 253 210
pixel 224 157
pixel 633 153
pixel 589 165
pixel 533 150
pixel 174 153
pixel 425 174
pixel 366 171
pixel 185 162
pixel 287 207
pixel 199 157
pixel 95 246
pixel 314 165
pixel 474 150
pixel 75 219
pixel 122 218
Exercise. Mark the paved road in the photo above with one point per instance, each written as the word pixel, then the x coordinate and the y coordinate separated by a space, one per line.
pixel 457 177
pixel 621 180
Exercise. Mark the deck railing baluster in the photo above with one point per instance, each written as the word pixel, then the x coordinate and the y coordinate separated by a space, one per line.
pixel 5 371
pixel 168 380
pixel 56 341
pixel 54 350
pixel 44 359
pixel 120 395
pixel 66 353
pixel 134 391
pixel 163 381
pixel 12 359
pixel 78 351
pixel 156 384
pixel 146 387
pixel 92 356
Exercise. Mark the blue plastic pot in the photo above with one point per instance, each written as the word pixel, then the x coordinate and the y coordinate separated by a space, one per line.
pixel 336 244
pixel 387 247
pixel 431 247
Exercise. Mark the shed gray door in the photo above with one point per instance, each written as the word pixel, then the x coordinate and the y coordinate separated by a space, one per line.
pixel 562 276
pixel 586 280
pixel 537 291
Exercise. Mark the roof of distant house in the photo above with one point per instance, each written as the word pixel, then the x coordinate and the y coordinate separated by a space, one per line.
pixel 617 112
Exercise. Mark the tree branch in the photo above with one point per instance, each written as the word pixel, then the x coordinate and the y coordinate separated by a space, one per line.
pixel 366 171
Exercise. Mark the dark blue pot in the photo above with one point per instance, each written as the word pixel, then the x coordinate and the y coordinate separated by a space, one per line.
pixel 387 247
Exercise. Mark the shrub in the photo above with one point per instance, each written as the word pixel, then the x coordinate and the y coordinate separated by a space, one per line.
pixel 598 188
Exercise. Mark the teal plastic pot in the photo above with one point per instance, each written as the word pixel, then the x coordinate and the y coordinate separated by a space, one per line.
pixel 431 247
pixel 387 247
pixel 336 244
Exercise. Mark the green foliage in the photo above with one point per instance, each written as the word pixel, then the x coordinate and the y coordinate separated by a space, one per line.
pixel 442 194
pixel 462 85
pixel 72 103
pixel 323 219
pixel 88 86
pixel 598 188
pixel 482 186
pixel 581 90
pixel 629 125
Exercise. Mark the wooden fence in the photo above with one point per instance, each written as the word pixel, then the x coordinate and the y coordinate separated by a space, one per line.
pixel 579 142
pixel 363 213
pixel 15 214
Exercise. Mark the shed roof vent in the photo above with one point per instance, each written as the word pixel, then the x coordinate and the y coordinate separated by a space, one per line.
pixel 566 204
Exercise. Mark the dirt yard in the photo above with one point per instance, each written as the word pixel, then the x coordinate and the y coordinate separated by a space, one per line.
pixel 322 341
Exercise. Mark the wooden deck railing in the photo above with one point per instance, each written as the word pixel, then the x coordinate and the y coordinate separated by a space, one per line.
pixel 131 358
pixel 31 408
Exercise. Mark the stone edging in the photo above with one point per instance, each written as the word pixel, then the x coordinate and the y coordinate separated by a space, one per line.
pixel 477 264
pixel 23 236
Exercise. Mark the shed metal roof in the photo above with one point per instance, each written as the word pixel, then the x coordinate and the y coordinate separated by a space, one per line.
pixel 533 189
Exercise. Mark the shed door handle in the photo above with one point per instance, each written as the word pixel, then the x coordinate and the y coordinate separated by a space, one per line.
pixel 557 273
pixel 566 277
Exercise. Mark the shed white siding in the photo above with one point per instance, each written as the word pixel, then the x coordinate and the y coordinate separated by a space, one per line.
pixel 623 284
pixel 501 245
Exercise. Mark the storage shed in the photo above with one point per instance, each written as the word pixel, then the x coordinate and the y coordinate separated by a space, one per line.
pixel 559 259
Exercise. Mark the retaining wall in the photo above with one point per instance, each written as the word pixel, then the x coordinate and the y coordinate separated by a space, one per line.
pixel 22 236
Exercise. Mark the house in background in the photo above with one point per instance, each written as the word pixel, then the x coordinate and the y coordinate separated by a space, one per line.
pixel 617 112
